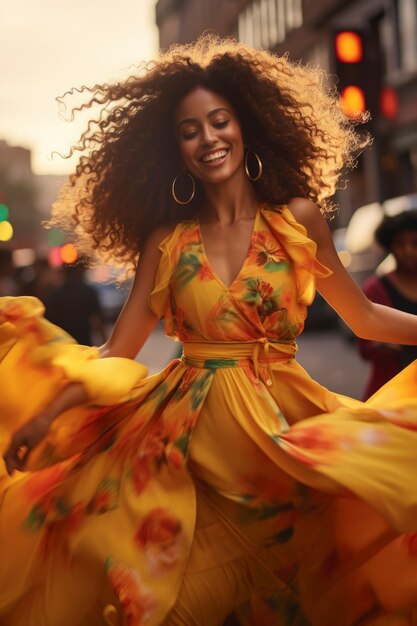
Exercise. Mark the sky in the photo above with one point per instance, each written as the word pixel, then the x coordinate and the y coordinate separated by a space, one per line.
pixel 49 46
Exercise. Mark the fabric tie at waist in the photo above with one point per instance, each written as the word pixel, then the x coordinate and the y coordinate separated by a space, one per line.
pixel 260 352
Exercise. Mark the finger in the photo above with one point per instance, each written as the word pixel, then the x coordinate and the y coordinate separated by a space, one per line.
pixel 15 457
pixel 23 452
pixel 10 465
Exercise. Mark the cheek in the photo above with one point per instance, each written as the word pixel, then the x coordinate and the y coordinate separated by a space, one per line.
pixel 185 151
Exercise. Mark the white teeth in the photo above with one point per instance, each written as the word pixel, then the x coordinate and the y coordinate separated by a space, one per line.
pixel 214 156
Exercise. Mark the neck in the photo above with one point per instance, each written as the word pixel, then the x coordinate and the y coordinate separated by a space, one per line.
pixel 230 201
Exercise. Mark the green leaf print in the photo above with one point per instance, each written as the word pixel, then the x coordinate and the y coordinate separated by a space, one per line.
pixel 199 390
pixel 264 511
pixel 182 444
pixel 273 266
pixel 36 518
pixel 214 364
pixel 187 268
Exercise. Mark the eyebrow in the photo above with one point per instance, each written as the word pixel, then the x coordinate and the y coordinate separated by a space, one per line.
pixel 191 120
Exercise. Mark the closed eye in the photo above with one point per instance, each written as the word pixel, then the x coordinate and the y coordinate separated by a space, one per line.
pixel 221 124
pixel 190 135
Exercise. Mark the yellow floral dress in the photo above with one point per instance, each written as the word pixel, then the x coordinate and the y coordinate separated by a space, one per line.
pixel 230 480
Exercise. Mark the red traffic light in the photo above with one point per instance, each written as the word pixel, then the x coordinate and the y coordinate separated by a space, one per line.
pixel 348 47
pixel 388 103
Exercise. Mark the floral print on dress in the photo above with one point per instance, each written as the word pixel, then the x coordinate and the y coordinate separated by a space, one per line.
pixel 116 481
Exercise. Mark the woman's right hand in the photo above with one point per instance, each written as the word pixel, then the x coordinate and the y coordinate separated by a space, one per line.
pixel 32 432
pixel 24 440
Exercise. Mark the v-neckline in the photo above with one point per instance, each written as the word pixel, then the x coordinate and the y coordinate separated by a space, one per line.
pixel 252 241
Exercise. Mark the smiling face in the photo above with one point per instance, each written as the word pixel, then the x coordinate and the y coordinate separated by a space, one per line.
pixel 209 136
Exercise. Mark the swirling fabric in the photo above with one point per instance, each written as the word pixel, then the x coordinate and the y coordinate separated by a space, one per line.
pixel 228 481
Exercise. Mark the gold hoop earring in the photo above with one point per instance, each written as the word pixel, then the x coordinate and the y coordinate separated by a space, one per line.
pixel 174 195
pixel 259 162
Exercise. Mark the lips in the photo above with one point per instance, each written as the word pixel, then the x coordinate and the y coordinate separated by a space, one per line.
pixel 214 156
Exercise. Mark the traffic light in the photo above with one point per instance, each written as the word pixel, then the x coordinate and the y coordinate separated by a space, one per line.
pixel 6 229
pixel 388 103
pixel 350 68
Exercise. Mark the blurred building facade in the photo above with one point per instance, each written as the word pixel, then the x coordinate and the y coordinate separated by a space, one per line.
pixel 26 196
pixel 306 29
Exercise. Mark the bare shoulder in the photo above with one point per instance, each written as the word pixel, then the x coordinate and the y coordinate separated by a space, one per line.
pixel 159 234
pixel 305 211
pixel 308 214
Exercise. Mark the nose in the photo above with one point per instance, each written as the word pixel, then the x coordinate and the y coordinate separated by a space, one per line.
pixel 208 135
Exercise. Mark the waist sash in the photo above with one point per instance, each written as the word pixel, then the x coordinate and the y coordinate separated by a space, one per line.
pixel 261 353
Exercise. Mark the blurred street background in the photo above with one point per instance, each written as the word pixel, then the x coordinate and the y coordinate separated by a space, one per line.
pixel 369 49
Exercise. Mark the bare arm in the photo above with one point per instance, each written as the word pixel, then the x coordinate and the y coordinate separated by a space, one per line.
pixel 137 320
pixel 366 319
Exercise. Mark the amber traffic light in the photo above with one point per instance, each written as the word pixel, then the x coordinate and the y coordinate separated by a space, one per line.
pixel 349 65
pixel 348 46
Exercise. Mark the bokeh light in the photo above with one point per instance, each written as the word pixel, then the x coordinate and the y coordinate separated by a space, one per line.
pixel 349 47
pixel 54 257
pixel 353 101
pixel 6 231
pixel 4 212
pixel 55 237
pixel 69 253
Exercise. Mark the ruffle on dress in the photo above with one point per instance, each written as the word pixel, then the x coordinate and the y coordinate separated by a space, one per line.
pixel 300 249
pixel 47 359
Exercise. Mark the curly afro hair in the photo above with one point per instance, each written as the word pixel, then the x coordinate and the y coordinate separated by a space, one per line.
pixel 121 188
pixel 392 225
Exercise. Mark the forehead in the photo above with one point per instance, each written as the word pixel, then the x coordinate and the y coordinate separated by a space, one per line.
pixel 199 103
pixel 405 236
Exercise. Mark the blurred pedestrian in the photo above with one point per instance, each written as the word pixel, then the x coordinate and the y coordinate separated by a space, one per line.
pixel 74 305
pixel 39 279
pixel 8 283
pixel 398 289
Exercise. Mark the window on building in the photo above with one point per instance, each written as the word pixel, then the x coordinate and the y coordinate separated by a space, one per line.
pixel 265 23
pixel 407 25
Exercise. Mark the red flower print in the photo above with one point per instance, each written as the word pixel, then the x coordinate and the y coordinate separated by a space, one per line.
pixel 205 273
pixel 311 437
pixel 264 289
pixel 159 526
pixel 317 439
pixel 12 312
pixel 161 537
pixel 39 485
pixel 137 601
pixel 287 298
pixel 187 380
pixel 266 489
pixel 57 531
pixel 142 473
pixel 175 458
pixel 106 498
pixel 101 502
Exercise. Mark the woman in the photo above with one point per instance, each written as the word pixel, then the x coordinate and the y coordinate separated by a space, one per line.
pixel 230 482
pixel 397 234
